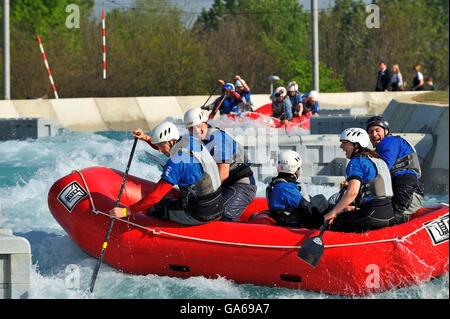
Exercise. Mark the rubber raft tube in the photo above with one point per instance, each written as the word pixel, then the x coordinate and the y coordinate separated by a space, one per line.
pixel 352 264
pixel 263 116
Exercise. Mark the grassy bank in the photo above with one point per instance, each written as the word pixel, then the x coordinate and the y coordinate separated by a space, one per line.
pixel 438 97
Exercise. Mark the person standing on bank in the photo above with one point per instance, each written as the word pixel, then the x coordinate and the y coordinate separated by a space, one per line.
pixel 397 79
pixel 192 168
pixel 417 82
pixel 369 186
pixel 383 79
pixel 238 184
pixel 403 163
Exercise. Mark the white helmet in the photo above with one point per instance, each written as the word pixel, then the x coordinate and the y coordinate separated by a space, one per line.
pixel 194 117
pixel 238 83
pixel 163 132
pixel 281 91
pixel 356 135
pixel 314 95
pixel 292 87
pixel 288 162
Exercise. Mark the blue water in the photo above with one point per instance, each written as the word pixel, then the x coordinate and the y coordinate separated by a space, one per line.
pixel 62 270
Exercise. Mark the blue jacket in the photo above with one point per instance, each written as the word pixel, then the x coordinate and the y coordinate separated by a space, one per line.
pixel 308 107
pixel 392 148
pixel 285 196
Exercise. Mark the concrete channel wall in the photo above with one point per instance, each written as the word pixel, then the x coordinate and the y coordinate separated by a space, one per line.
pixel 407 116
pixel 102 114
pixel 15 265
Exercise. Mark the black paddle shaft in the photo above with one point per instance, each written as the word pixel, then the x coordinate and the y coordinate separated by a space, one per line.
pixel 105 242
pixel 211 94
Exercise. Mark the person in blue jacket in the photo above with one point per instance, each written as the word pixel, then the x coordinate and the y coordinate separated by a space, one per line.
pixel 403 163
pixel 366 203
pixel 287 205
pixel 238 184
pixel 310 103
pixel 228 102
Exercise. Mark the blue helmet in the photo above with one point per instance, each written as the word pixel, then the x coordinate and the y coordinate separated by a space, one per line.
pixel 227 86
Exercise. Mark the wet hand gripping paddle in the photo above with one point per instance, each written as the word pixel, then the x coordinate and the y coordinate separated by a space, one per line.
pixel 312 249
pixel 105 242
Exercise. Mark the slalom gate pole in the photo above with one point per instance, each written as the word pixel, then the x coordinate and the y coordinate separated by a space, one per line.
pixel 104 44
pixel 47 66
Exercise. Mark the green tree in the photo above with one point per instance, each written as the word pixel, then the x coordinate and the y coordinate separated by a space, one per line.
pixel 282 31
pixel 410 32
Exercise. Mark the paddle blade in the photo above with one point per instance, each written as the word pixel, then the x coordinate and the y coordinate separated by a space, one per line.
pixel 311 251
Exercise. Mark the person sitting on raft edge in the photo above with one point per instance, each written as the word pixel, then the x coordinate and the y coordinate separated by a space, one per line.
pixel 403 163
pixel 369 186
pixel 287 205
pixel 192 168
pixel 228 102
pixel 281 105
pixel 238 184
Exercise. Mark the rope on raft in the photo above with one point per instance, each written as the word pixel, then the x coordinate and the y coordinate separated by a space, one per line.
pixel 157 231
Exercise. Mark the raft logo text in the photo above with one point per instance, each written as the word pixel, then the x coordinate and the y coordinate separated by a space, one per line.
pixel 71 195
pixel 438 229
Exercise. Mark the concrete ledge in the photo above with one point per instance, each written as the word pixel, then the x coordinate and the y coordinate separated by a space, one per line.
pixel 408 116
pixel 23 128
pixel 15 266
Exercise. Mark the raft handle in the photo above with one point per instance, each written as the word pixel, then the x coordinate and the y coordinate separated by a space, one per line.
pixel 179 268
pixel 291 278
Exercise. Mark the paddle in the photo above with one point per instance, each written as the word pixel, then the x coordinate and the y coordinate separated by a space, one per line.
pixel 211 94
pixel 105 242
pixel 215 108
pixel 312 248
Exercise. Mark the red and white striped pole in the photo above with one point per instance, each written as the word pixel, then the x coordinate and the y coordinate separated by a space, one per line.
pixel 104 44
pixel 47 67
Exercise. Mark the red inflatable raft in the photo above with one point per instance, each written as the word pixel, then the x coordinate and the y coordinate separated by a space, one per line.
pixel 263 116
pixel 351 265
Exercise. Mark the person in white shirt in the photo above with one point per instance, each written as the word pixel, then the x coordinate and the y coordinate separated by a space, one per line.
pixel 397 79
